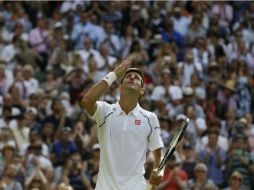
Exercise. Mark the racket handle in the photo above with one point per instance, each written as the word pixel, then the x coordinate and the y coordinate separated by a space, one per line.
pixel 149 186
pixel 158 172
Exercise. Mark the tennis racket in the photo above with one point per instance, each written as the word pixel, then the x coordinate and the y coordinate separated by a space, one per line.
pixel 172 146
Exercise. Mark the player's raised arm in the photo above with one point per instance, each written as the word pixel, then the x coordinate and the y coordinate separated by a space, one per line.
pixel 95 92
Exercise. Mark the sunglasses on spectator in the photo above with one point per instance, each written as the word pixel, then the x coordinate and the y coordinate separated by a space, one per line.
pixel 200 171
pixel 237 178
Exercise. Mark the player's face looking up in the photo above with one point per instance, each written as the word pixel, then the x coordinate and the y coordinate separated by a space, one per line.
pixel 132 80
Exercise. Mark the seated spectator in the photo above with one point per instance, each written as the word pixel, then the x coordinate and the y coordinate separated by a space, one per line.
pixel 63 186
pixel 211 187
pixel 235 181
pixel 39 39
pixel 162 92
pixel 189 160
pixel 7 154
pixel 214 157
pixel 18 90
pixel 141 55
pixel 50 85
pixel 50 176
pixel 224 11
pixel 216 27
pixel 58 117
pixel 36 180
pixel 6 137
pixel 93 164
pixel 6 111
pixel 62 148
pixel 87 54
pixel 195 30
pixel 239 159
pixel 197 125
pixel 5 80
pixel 8 180
pixel 165 129
pixel 19 130
pixel 215 125
pixel 18 161
pixel 83 135
pixel 39 102
pixel 189 67
pixel 35 159
pixel 181 21
pixel 31 119
pixel 226 98
pixel 200 180
pixel 126 40
pixel 28 56
pixel 188 99
pixel 201 52
pixel 75 81
pixel 34 138
pixel 76 173
pixel 170 34
pixel 229 124
pixel 111 39
pixel 48 135
pixel 174 177
pixel 30 82
pixel 165 57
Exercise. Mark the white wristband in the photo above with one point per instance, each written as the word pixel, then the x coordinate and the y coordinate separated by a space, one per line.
pixel 110 78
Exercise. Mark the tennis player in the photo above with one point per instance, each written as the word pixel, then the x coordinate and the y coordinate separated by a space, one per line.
pixel 125 131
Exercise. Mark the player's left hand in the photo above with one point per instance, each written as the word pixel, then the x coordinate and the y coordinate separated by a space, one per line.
pixel 155 178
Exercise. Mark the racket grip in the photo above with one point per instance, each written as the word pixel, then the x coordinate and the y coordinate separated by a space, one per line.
pixel 149 186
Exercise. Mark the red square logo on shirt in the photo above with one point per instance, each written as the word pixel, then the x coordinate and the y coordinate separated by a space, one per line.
pixel 137 122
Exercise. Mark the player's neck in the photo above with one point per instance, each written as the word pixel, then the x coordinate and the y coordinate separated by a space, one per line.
pixel 127 103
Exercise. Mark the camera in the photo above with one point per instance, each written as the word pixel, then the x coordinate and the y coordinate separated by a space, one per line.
pixel 75 163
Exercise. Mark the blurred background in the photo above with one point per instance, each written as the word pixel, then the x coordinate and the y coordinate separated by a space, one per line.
pixel 198 60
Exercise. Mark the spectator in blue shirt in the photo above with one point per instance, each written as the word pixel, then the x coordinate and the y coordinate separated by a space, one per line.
pixel 213 156
pixel 64 147
pixel 169 34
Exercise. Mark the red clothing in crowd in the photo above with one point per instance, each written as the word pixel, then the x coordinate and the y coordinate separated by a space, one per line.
pixel 173 184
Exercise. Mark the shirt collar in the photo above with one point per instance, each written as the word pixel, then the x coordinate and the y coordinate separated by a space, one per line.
pixel 119 110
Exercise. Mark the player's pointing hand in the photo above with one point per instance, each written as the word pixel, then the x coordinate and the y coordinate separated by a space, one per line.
pixel 123 66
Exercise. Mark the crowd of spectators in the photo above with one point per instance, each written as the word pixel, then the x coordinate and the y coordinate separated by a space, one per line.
pixel 198 60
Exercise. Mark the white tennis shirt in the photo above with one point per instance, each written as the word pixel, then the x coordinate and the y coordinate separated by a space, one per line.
pixel 124 141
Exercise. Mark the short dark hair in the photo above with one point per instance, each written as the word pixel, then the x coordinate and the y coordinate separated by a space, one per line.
pixel 213 132
pixel 134 70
